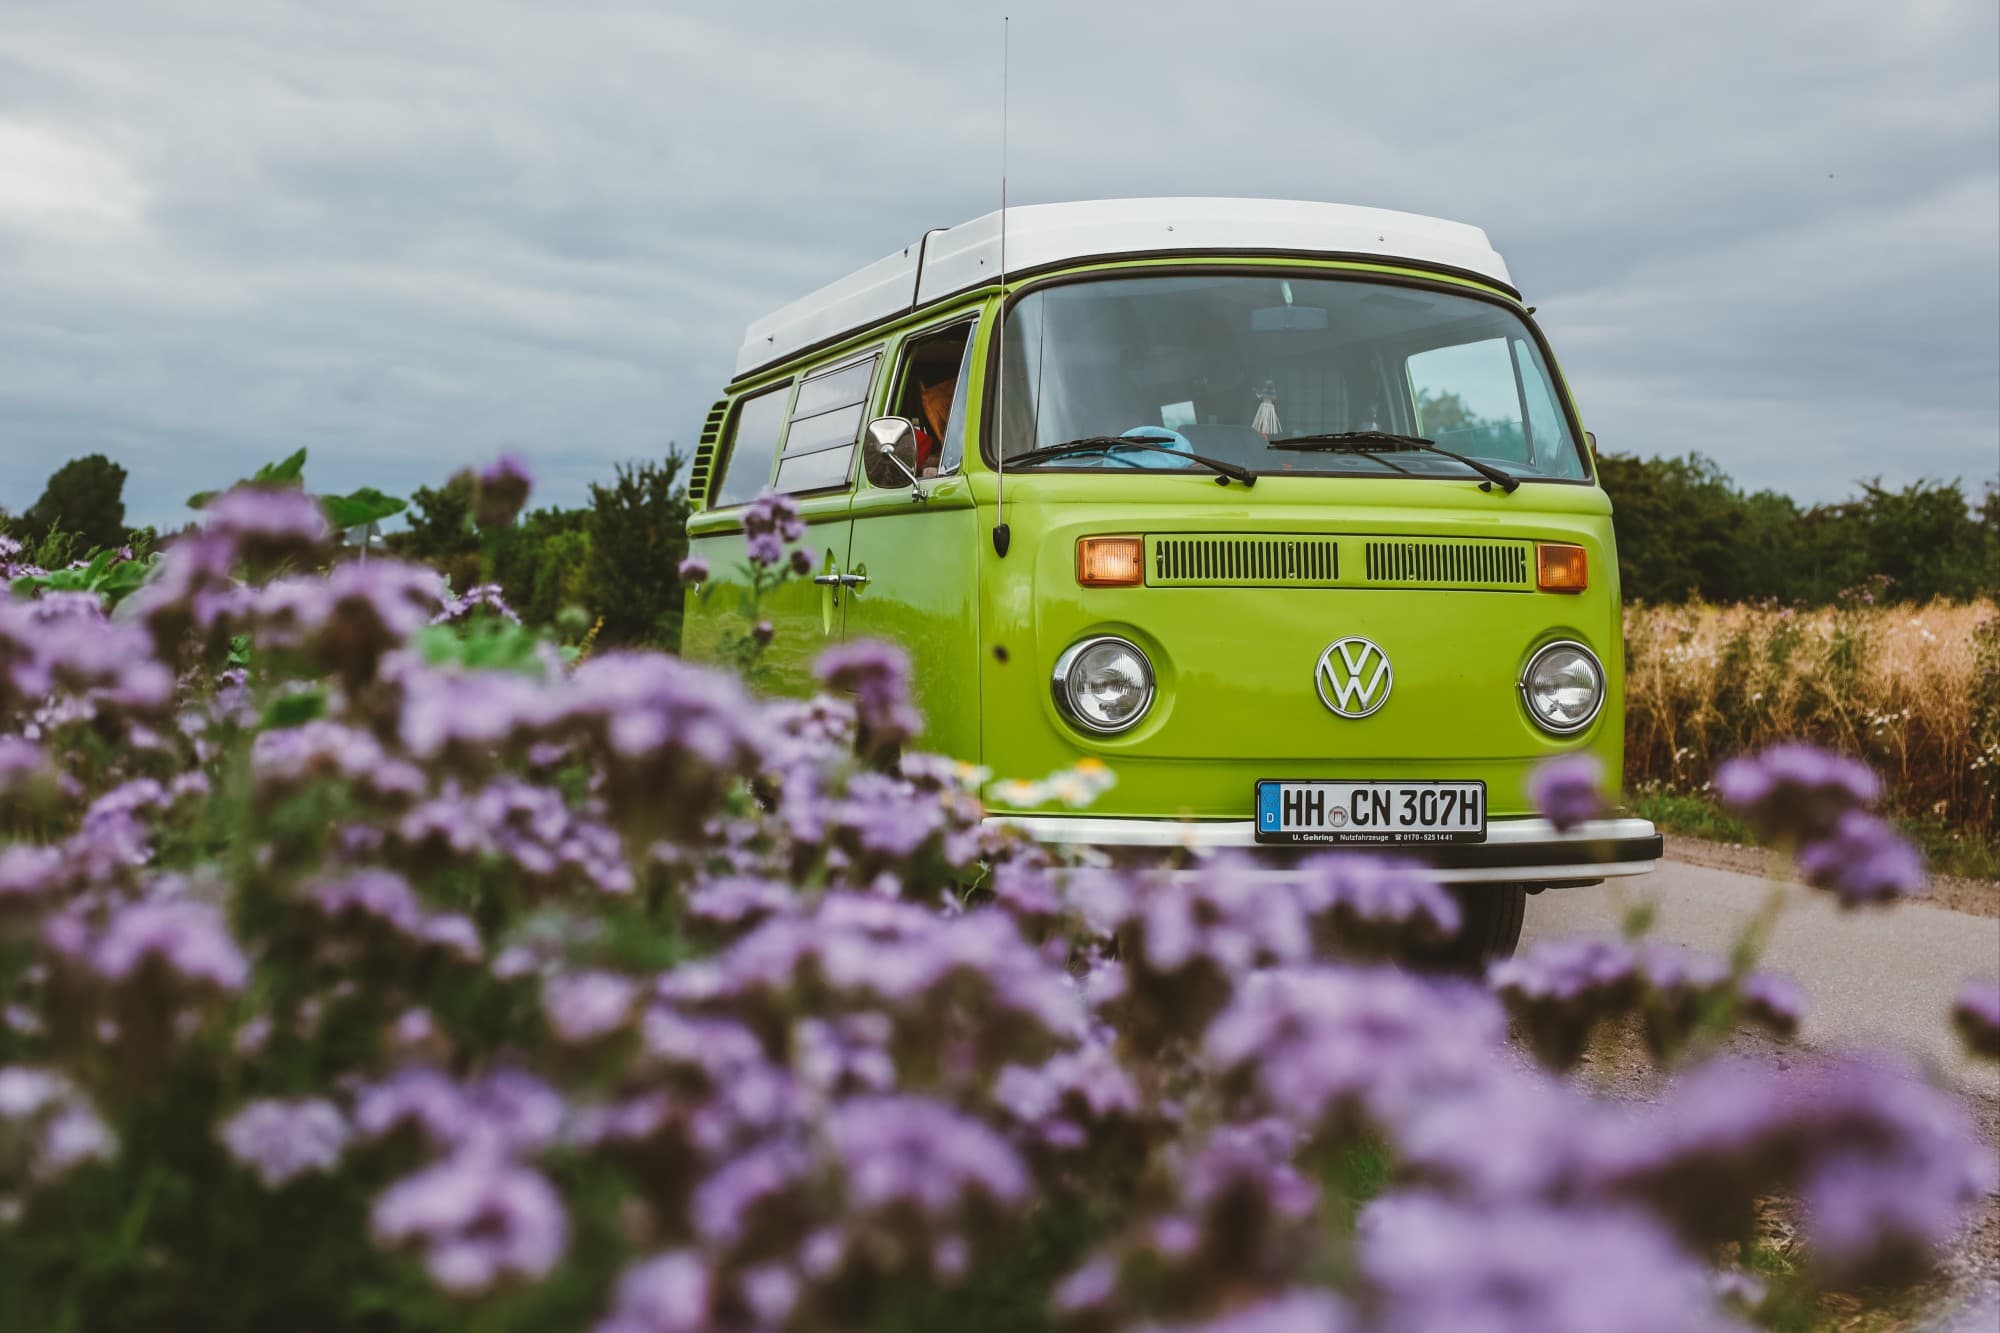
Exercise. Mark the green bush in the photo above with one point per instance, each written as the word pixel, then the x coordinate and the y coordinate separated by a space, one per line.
pixel 84 497
pixel 1685 530
pixel 638 536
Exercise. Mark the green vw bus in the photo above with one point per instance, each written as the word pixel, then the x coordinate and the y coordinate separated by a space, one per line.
pixel 1280 510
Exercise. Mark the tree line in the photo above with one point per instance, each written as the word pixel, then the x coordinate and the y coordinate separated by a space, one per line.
pixel 1685 530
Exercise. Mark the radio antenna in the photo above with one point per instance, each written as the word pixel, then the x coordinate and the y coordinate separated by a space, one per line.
pixel 1002 537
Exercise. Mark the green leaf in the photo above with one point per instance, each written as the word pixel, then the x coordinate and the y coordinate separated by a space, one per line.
pixel 295 709
pixel 290 472
pixel 366 505
pixel 287 473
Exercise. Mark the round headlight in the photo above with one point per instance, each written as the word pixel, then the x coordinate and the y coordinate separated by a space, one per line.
pixel 1563 687
pixel 1103 685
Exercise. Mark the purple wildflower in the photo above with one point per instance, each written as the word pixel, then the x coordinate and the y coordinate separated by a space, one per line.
pixel 749 1194
pixel 1887 1166
pixel 671 737
pixel 283 1140
pixel 736 904
pixel 1568 789
pixel 377 896
pixel 801 561
pixel 669 1293
pixel 846 1055
pixel 694 569
pixel 1301 1311
pixel 585 1007
pixel 266 526
pixel 1434 1266
pixel 185 938
pixel 30 874
pixel 505 1111
pixel 1976 1014
pixel 500 491
pixel 478 1218
pixel 286 759
pixel 60 1126
pixel 1863 861
pixel 1795 793
pixel 1071 1101
pixel 878 676
pixel 1191 937
pixel 1328 1048
pixel 899 1152
pixel 1374 907
pixel 24 766
pixel 347 620
pixel 24 1091
pixel 483 599
pixel 1774 1001
pixel 775 514
pixel 75 1135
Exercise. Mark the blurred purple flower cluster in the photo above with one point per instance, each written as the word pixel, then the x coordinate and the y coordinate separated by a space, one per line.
pixel 1816 803
pixel 614 995
pixel 1559 991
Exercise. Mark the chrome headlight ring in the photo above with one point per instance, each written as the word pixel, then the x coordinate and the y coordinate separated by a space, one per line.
pixel 1573 654
pixel 1106 649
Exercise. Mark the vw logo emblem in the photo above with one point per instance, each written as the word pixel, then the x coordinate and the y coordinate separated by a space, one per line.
pixel 1353 677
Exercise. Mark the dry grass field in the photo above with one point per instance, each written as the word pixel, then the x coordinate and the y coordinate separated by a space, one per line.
pixel 1915 690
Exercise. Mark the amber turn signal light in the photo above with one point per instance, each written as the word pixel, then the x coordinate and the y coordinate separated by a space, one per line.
pixel 1110 562
pixel 1560 568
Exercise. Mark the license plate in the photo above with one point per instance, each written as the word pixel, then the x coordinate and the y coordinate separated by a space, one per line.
pixel 1377 812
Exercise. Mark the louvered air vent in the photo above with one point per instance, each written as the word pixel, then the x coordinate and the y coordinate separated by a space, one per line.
pixel 1442 563
pixel 704 455
pixel 1246 561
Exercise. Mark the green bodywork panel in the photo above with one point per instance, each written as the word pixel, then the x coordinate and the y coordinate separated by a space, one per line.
pixel 1235 663
pixel 1255 584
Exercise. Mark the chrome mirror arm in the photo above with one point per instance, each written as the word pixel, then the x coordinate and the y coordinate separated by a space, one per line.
pixel 917 493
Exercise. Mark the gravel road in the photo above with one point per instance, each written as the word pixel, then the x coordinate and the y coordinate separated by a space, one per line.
pixel 1872 979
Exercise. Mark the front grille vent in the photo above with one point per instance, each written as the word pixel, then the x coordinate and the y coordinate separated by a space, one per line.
pixel 704 455
pixel 1243 561
pixel 1446 564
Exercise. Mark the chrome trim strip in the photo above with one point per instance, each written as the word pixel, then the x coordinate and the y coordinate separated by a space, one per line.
pixel 1215 835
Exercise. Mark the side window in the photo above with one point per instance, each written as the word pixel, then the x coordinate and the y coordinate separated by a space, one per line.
pixel 752 442
pixel 826 421
pixel 1467 399
pixel 930 391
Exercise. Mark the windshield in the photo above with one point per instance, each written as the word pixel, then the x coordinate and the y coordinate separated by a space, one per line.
pixel 1225 366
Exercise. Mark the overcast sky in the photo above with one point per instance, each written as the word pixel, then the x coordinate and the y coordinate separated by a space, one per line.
pixel 411 235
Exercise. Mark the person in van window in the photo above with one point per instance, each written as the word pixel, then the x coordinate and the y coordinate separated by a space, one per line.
pixel 933 412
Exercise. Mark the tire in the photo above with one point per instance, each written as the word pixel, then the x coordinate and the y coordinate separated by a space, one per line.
pixel 1490 928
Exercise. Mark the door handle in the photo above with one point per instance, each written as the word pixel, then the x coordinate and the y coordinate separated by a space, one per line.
pixel 839 581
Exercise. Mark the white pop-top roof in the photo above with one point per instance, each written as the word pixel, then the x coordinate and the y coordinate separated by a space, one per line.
pixel 957 259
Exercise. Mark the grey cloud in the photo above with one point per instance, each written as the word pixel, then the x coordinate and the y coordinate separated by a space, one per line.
pixel 409 236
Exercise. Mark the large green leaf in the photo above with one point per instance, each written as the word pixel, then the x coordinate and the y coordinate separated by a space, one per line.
pixel 287 473
pixel 366 505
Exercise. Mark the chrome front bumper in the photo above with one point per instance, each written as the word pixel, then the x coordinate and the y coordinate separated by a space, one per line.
pixel 1516 851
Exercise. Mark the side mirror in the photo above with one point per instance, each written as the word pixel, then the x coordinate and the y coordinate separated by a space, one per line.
pixel 889 454
pixel 1590 439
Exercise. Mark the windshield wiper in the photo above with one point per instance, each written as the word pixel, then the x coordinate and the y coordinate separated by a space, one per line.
pixel 1381 441
pixel 1101 443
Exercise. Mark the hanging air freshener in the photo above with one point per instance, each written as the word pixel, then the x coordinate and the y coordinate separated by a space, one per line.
pixel 1266 421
